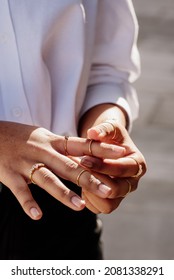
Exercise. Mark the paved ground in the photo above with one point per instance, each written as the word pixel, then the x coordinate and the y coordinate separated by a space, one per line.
pixel 143 226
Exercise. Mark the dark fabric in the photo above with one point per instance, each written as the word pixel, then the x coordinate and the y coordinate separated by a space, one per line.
pixel 61 233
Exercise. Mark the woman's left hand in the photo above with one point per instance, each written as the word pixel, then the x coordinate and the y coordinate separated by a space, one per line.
pixel 124 172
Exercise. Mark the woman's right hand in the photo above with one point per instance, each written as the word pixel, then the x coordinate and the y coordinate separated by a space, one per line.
pixel 22 146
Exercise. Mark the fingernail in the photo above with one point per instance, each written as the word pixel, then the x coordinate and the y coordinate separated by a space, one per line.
pixel 104 189
pixel 78 202
pixel 87 163
pixel 34 212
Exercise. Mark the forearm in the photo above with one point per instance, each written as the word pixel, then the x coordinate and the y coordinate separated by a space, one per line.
pixel 99 114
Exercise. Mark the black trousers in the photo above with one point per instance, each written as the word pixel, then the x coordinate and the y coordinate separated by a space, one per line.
pixel 61 234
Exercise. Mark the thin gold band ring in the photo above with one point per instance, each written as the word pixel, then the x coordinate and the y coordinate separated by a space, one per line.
pixel 79 175
pixel 65 144
pixel 90 147
pixel 140 168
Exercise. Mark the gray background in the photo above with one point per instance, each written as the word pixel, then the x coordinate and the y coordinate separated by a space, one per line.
pixel 143 226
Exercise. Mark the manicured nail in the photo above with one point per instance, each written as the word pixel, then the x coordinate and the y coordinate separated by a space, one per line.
pixel 78 202
pixel 34 212
pixel 86 162
pixel 104 189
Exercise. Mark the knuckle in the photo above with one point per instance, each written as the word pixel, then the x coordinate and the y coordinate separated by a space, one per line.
pixel 57 142
pixel 23 195
pixel 27 203
pixel 64 194
pixel 37 149
pixel 19 190
pixel 90 181
pixel 47 179
pixel 70 166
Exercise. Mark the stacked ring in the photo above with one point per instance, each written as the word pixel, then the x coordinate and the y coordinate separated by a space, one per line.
pixel 35 167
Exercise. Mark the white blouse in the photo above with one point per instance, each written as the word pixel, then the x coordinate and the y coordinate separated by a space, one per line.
pixel 59 58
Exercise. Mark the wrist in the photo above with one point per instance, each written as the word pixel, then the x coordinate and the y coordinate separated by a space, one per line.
pixel 99 114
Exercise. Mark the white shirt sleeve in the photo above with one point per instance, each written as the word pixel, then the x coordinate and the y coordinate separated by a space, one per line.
pixel 115 64
pixel 60 59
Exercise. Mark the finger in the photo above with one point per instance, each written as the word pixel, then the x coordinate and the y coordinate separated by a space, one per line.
pixel 75 146
pixel 123 187
pixel 104 206
pixel 89 205
pixel 106 128
pixel 44 178
pixel 120 187
pixel 20 189
pixel 123 167
pixel 70 170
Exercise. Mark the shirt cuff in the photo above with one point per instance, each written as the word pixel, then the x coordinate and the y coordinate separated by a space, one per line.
pixel 114 94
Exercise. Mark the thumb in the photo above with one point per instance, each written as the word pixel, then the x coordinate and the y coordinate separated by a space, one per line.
pixel 104 131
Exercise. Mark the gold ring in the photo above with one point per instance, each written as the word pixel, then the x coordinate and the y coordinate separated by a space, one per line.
pixel 90 147
pixel 79 175
pixel 140 168
pixel 129 187
pixel 109 121
pixel 35 167
pixel 65 144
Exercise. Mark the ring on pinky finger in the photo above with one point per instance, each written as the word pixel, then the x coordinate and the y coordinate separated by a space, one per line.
pixel 129 187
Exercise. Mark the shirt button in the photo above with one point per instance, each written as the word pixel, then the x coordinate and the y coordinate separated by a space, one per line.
pixel 17 112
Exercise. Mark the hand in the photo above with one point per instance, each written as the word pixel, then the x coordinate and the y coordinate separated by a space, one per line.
pixel 22 146
pixel 121 170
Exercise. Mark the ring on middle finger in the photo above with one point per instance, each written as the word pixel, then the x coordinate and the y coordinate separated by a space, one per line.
pixel 90 147
pixel 79 175
pixel 65 144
